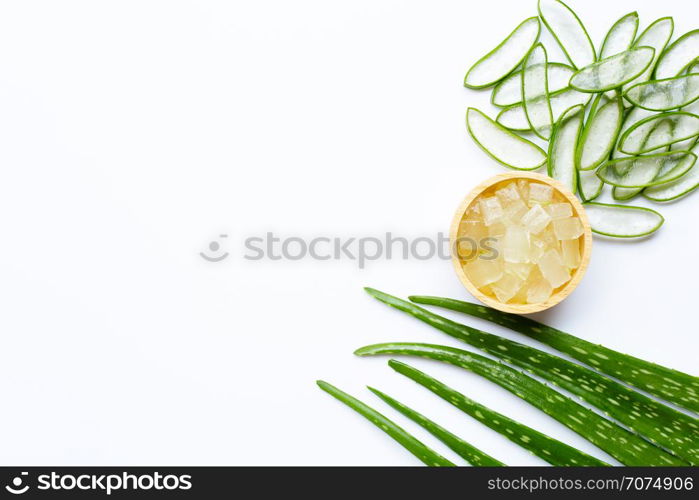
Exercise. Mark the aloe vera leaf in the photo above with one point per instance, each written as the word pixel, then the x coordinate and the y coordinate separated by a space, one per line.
pixel 623 445
pixel 468 452
pixel 514 118
pixel 622 221
pixel 671 385
pixel 664 95
pixel 678 55
pixel 599 135
pixel 657 131
pixel 502 145
pixel 648 170
pixel 661 424
pixel 623 193
pixel 614 71
pixel 569 31
pixel 676 189
pixel 551 450
pixel 564 140
pixel 589 185
pixel 503 59
pixel 406 440
pixel 657 35
pixel 509 91
pixel 535 92
pixel 620 36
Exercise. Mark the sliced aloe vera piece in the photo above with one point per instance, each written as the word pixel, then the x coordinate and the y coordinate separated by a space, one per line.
pixel 663 95
pixel 589 185
pixel 657 35
pixel 676 189
pixel 514 117
pixel 509 91
pixel 623 193
pixel 620 36
pixel 569 32
pixel 465 450
pixel 502 145
pixel 681 53
pixel 590 385
pixel 564 140
pixel 410 443
pixel 648 170
pixel 503 59
pixel 622 221
pixel 551 450
pixel 599 135
pixel 671 385
pixel 614 71
pixel 658 131
pixel 535 92
pixel 623 445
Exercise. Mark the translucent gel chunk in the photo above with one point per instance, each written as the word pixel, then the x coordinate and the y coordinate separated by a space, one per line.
pixel 536 219
pixel 568 228
pixel 475 230
pixel 552 267
pixel 559 210
pixel 521 270
pixel 496 230
pixel 508 194
pixel 539 291
pixel 516 244
pixel 483 272
pixel 540 193
pixel 523 188
pixel 514 211
pixel 506 287
pixel 570 251
pixel 491 210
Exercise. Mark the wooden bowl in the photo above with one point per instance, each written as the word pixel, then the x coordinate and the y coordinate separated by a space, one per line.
pixel 558 295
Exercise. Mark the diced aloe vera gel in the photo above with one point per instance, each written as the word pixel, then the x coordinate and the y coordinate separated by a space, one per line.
pixel 534 246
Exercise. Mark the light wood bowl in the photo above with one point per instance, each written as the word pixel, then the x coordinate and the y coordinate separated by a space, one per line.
pixel 558 295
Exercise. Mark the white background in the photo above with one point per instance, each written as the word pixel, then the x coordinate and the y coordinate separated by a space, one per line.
pixel 133 133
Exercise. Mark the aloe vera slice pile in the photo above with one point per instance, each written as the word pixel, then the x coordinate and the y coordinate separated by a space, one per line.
pixel 638 95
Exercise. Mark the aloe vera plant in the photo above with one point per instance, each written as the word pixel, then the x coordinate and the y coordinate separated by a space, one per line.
pixel 661 424
pixel 426 454
pixel 672 385
pixel 551 450
pixel 468 452
pixel 628 448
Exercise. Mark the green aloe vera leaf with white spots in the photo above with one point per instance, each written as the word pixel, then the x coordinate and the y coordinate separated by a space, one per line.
pixel 589 185
pixel 614 71
pixel 548 449
pixel 564 141
pixel 647 170
pixel 509 91
pixel 502 145
pixel 657 35
pixel 657 131
pixel 465 450
pixel 514 117
pixel 535 92
pixel 620 36
pixel 405 439
pixel 681 53
pixel 644 415
pixel 622 221
pixel 503 59
pixel 676 189
pixel 599 135
pixel 628 448
pixel 677 387
pixel 664 95
pixel 569 31
pixel 624 194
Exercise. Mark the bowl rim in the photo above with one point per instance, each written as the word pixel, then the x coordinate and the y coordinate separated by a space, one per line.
pixel 584 258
